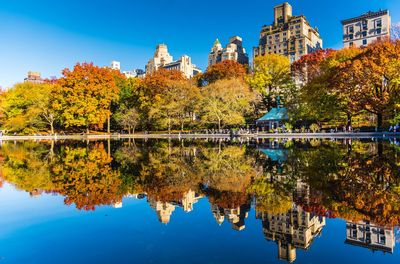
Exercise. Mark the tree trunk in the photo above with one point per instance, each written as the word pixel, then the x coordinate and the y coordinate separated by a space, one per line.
pixel 380 118
pixel 52 128
pixel 169 125
pixel 108 124
pixel 348 120
pixel 219 125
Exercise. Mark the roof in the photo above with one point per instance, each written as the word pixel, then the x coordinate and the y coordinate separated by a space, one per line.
pixel 217 42
pixel 275 114
pixel 367 15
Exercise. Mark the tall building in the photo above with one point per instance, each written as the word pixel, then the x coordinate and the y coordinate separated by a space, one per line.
pixel 115 65
pixel 367 28
pixel 368 235
pixel 289 35
pixel 34 77
pixel 162 59
pixel 233 51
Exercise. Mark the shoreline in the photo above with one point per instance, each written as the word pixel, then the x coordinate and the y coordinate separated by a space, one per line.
pixel 340 135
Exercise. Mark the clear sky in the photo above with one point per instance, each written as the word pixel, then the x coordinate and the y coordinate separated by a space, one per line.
pixel 49 35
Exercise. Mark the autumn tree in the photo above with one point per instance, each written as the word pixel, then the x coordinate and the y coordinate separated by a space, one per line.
pixel 271 78
pixel 85 96
pixel 150 95
pixel 223 70
pixel 340 81
pixel 374 78
pixel 177 104
pixel 227 102
pixel 28 107
pixel 308 67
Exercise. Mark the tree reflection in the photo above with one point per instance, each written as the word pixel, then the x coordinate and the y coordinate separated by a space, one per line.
pixel 353 180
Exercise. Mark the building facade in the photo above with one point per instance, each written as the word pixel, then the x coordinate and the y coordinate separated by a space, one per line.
pixel 162 59
pixel 115 65
pixel 233 51
pixel 137 73
pixel 34 77
pixel 291 36
pixel 366 29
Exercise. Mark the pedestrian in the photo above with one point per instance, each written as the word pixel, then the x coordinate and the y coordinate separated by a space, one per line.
pixel 390 128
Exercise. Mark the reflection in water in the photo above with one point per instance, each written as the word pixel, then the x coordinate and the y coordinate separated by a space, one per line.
pixel 365 234
pixel 294 186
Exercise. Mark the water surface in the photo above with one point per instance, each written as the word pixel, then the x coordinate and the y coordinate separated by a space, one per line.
pixel 200 201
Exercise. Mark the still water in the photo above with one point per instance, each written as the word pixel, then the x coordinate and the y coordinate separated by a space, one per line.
pixel 200 201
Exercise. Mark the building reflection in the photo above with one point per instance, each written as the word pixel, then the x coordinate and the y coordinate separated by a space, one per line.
pixel 292 230
pixel 235 216
pixel 164 210
pixel 371 236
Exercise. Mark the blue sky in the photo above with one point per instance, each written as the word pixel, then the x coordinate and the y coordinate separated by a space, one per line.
pixel 47 36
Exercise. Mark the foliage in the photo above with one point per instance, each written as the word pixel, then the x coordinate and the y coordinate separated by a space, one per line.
pixel 28 107
pixel 223 70
pixel 272 78
pixel 226 102
pixel 85 96
pixel 375 75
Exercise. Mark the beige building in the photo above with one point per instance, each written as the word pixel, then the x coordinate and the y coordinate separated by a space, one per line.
pixel 162 59
pixel 34 77
pixel 289 35
pixel 366 29
pixel 115 65
pixel 233 51
pixel 365 234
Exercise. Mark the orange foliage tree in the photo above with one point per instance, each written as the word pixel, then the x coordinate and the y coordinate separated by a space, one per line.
pixel 373 77
pixel 224 70
pixel 85 96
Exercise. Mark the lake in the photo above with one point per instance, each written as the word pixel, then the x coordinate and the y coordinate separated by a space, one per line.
pixel 200 201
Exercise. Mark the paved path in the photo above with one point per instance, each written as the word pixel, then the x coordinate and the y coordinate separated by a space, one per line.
pixel 360 135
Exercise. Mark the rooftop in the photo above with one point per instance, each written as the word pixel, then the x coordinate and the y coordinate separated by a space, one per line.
pixel 367 15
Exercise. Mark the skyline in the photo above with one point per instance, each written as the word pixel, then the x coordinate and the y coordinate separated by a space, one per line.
pixel 47 37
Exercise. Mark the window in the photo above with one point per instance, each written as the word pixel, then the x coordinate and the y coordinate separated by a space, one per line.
pixel 351 44
pixel 364 34
pixel 365 42
pixel 378 23
pixel 364 25
pixel 379 31
pixel 350 29
pixel 351 36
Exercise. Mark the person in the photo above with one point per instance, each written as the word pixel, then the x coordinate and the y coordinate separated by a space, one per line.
pixel 390 128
